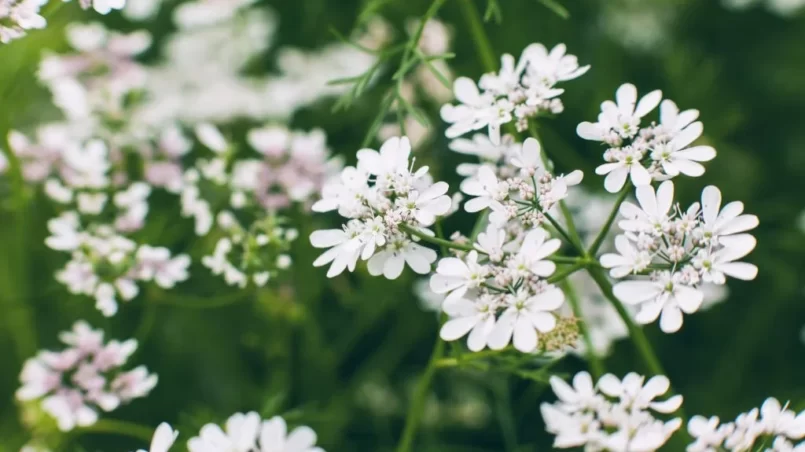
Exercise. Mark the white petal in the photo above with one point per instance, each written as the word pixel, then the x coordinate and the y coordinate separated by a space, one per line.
pixel 697 154
pixel 525 337
pixel 711 203
pixel 501 334
pixel 327 238
pixel 687 136
pixel 615 179
pixel 626 97
pixel 647 103
pixel 394 266
pixel 689 299
pixel 633 292
pixel 667 406
pixel 671 319
pixel 739 270
pixel 639 175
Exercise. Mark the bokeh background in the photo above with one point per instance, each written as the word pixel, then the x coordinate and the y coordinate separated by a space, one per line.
pixel 342 355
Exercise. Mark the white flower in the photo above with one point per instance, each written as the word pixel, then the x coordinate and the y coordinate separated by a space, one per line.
pixel 391 160
pixel 345 248
pixel 617 420
pixel 652 215
pixel 580 396
pixel 715 265
pixel 725 222
pixel 630 259
pixel 665 295
pixel 274 437
pixel 707 434
pixel 636 395
pixel 488 191
pixel 528 159
pixel 164 437
pixel 476 317
pixel 475 111
pixel 390 261
pixel 628 164
pixel 456 276
pixel 240 435
pixel 556 66
pixel 672 121
pixel 531 256
pixel 676 157
pixel 524 316
pixel 622 117
pixel 491 242
pixel 431 203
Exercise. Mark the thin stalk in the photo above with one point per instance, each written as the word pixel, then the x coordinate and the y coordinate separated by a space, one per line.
pixel 414 416
pixel 122 428
pixel 558 276
pixel 566 234
pixel 599 240
pixel 479 36
pixel 635 332
pixel 596 365
pixel 572 233
pixel 435 240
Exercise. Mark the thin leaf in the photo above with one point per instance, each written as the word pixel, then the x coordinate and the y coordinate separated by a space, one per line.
pixel 493 12
pixel 556 7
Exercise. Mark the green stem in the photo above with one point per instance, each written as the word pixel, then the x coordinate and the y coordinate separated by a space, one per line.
pixel 635 332
pixel 122 428
pixel 572 233
pixel 479 37
pixel 610 220
pixel 596 365
pixel 435 240
pixel 558 276
pixel 414 416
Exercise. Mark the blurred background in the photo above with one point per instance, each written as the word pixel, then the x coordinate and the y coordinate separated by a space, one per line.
pixel 342 355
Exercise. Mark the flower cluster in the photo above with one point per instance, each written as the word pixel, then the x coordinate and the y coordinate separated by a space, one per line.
pixel 614 415
pixel 503 297
pixel 73 384
pixel 18 16
pixel 106 265
pixel 772 428
pixel 513 181
pixel 388 206
pixel 521 90
pixel 244 196
pixel 247 433
pixel 676 251
pixel 657 152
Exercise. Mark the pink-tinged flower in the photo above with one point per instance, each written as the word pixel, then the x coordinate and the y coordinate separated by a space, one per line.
pixel 75 383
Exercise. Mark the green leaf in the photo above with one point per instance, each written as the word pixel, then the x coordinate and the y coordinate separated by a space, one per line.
pixel 493 12
pixel 556 7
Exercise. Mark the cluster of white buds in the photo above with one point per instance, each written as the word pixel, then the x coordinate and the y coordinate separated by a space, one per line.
pixel 512 180
pixel 676 251
pixel 18 16
pixel 612 415
pixel 106 265
pixel 522 90
pixel 74 383
pixel 388 205
pixel 773 428
pixel 657 152
pixel 255 254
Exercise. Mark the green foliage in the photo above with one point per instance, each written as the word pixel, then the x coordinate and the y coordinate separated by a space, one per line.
pixel 315 350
